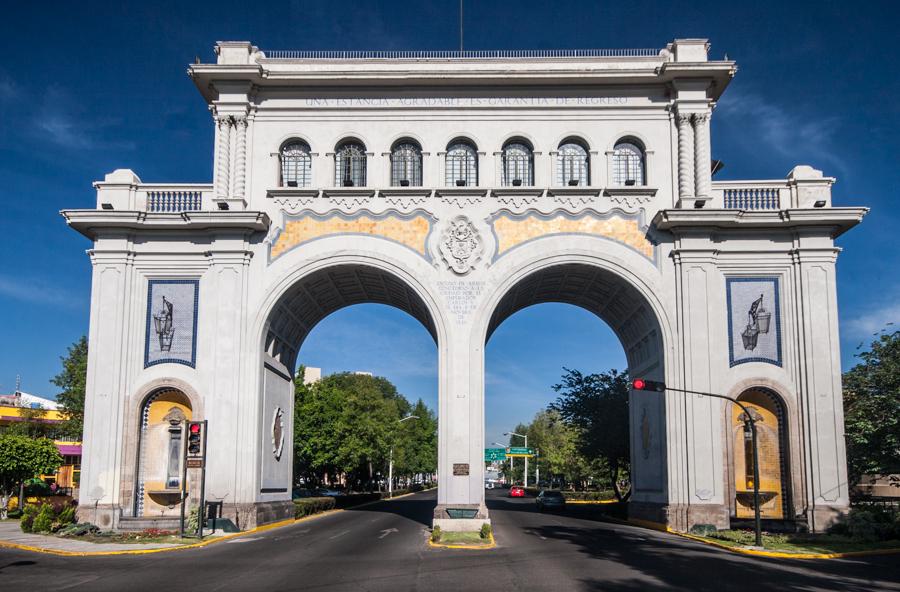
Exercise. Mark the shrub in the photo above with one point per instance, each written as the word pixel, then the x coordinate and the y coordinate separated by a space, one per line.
pixel 486 531
pixel 78 530
pixel 43 521
pixel 17 513
pixel 28 516
pixel 312 505
pixel 193 521
pixel 436 534
pixel 66 516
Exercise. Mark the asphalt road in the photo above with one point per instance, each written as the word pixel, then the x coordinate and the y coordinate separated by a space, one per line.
pixel 383 547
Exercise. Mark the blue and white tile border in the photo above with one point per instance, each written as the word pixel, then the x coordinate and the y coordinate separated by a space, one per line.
pixel 729 283
pixel 149 324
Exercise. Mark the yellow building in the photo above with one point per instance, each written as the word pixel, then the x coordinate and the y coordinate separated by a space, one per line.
pixel 24 407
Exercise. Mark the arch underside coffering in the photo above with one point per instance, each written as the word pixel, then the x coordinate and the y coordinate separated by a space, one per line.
pixel 609 296
pixel 325 291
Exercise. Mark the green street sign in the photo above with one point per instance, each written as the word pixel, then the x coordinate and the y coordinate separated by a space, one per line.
pixel 519 451
pixel 492 454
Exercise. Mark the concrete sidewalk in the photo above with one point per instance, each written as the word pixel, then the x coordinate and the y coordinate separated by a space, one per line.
pixel 11 534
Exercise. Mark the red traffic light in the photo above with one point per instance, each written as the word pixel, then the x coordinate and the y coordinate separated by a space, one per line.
pixel 642 384
pixel 195 428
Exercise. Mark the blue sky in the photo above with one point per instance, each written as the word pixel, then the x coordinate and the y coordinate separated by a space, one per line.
pixel 88 87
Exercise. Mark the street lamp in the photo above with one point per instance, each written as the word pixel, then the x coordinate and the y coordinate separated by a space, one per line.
pixel 391 461
pixel 505 446
pixel 641 384
pixel 526 456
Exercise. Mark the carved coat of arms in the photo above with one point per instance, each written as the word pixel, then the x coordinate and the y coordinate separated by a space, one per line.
pixel 461 246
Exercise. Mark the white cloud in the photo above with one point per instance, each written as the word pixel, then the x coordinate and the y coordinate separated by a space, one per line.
pixel 37 291
pixel 784 132
pixel 866 325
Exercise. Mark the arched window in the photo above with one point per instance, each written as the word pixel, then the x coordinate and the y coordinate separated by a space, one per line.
pixel 350 165
pixel 628 163
pixel 296 164
pixel 461 165
pixel 518 163
pixel 572 164
pixel 406 164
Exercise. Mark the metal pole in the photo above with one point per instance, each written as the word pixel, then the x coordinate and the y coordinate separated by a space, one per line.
pixel 460 25
pixel 756 511
pixel 202 510
pixel 184 436
pixel 756 516
pixel 391 474
pixel 526 461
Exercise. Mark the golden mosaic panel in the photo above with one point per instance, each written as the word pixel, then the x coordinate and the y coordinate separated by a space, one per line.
pixel 411 232
pixel 511 232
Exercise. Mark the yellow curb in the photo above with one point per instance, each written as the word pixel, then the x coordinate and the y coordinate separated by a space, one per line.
pixel 490 545
pixel 783 554
pixel 591 501
pixel 206 543
pixel 264 527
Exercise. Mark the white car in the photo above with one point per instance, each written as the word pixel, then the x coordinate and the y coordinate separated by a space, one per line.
pixel 488 485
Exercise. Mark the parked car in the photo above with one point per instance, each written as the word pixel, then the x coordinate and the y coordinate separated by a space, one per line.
pixel 300 492
pixel 516 491
pixel 488 485
pixel 549 499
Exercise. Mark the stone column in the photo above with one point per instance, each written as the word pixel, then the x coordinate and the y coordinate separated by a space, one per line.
pixel 461 420
pixel 107 386
pixel 685 156
pixel 223 156
pixel 696 487
pixel 240 157
pixel 820 393
pixel 702 156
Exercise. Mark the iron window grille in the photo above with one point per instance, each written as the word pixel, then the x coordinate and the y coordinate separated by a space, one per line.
pixel 296 165
pixel 406 165
pixel 461 165
pixel 572 165
pixel 518 165
pixel 628 164
pixel 350 166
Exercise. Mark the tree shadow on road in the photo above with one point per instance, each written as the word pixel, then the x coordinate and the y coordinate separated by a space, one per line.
pixel 414 509
pixel 674 564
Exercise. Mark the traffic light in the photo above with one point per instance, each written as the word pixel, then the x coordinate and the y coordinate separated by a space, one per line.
pixel 195 438
pixel 642 384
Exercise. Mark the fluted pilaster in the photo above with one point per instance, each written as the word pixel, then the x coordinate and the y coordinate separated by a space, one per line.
pixel 685 156
pixel 240 157
pixel 702 156
pixel 223 156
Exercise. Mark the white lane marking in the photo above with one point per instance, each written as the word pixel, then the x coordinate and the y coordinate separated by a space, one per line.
pixel 340 534
pixel 386 532
pixel 244 540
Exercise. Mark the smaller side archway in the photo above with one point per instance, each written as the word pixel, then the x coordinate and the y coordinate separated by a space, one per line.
pixel 770 414
pixel 159 463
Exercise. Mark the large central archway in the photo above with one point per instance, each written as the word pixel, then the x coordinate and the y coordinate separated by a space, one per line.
pixel 297 303
pixel 630 315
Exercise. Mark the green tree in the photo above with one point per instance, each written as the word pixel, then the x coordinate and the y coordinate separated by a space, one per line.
pixel 597 406
pixel 72 381
pixel 22 458
pixel 415 448
pixel 872 409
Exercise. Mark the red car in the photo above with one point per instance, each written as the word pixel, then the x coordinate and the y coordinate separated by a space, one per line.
pixel 516 491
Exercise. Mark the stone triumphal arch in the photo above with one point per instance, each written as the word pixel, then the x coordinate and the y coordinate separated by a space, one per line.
pixel 461 188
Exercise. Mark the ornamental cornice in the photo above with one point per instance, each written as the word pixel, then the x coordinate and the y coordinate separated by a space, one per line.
pixel 92 223
pixel 835 220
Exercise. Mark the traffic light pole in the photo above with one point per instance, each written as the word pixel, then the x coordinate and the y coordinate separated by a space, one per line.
pixel 202 510
pixel 183 484
pixel 648 385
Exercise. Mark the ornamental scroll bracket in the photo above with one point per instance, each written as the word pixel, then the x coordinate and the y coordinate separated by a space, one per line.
pixel 461 246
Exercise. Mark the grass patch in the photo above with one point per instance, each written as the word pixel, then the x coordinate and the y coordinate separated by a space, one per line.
pixel 462 538
pixel 800 543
